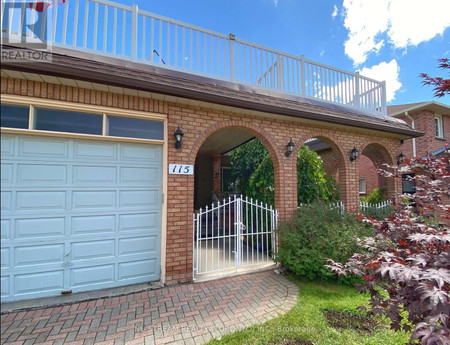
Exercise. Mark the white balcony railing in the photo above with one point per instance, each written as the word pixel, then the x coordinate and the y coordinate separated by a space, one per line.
pixel 127 32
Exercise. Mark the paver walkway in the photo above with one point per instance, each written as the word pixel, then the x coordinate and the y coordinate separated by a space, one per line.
pixel 183 314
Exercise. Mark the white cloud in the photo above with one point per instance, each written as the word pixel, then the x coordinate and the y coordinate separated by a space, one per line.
pixel 404 22
pixel 275 2
pixel 387 71
pixel 335 12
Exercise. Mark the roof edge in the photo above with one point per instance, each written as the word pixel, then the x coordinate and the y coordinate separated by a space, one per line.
pixel 154 81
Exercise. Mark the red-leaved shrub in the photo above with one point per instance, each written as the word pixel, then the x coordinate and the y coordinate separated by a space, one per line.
pixel 406 265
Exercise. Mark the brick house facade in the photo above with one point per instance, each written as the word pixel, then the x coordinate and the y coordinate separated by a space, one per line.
pixel 426 117
pixel 203 111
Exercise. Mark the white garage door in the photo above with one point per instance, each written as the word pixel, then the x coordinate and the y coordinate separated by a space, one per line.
pixel 78 215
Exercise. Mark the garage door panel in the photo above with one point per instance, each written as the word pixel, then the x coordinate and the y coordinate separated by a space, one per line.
pixel 93 224
pixel 78 215
pixel 7 145
pixel 146 199
pixel 39 254
pixel 43 147
pixel 38 174
pixel 95 151
pixel 143 176
pixel 92 275
pixel 5 287
pixel 144 221
pixel 7 173
pixel 139 245
pixel 93 199
pixel 40 200
pixel 6 201
pixel 5 257
pixel 39 284
pixel 92 250
pixel 5 225
pixel 97 175
pixel 136 270
pixel 136 153
pixel 39 227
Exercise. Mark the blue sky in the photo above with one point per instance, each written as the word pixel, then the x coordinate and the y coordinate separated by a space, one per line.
pixel 392 40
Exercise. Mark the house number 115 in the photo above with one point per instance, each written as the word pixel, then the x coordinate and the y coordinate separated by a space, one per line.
pixel 181 169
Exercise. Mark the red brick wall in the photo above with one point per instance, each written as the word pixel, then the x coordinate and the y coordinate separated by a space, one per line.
pixel 424 122
pixel 197 124
pixel 368 171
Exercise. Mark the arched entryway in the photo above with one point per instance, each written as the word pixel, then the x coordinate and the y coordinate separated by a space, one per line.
pixel 231 233
pixel 373 157
pixel 333 161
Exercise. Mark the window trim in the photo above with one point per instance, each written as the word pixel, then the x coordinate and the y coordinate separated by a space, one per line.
pixel 359 185
pixel 439 127
pixel 89 109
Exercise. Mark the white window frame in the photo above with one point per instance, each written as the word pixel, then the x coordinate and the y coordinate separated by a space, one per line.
pixel 86 108
pixel 438 130
pixel 362 190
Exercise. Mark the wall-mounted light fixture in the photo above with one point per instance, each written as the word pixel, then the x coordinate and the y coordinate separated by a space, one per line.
pixel 178 135
pixel 401 157
pixel 354 153
pixel 290 148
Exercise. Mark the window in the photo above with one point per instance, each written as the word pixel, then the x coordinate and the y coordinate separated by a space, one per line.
pixel 14 116
pixel 408 185
pixel 67 121
pixel 135 128
pixel 362 186
pixel 438 125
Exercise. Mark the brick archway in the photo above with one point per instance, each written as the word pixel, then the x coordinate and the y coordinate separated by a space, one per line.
pixel 280 163
pixel 379 155
pixel 335 163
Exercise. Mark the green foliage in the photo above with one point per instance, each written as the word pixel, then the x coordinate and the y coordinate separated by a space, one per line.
pixel 261 183
pixel 245 159
pixel 378 213
pixel 316 234
pixel 376 196
pixel 312 181
pixel 252 169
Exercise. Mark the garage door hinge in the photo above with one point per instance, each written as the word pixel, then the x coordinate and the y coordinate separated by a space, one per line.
pixel 67 292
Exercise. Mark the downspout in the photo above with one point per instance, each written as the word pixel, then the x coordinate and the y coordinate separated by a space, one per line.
pixel 413 139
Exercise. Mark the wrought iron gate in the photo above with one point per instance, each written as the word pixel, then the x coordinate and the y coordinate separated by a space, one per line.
pixel 235 233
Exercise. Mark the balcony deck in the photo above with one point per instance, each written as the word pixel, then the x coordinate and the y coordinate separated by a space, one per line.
pixel 112 30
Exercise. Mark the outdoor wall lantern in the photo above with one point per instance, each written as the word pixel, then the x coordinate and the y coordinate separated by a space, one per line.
pixel 401 157
pixel 354 154
pixel 178 135
pixel 290 148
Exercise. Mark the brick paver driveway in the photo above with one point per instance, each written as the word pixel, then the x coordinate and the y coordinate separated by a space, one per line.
pixel 184 314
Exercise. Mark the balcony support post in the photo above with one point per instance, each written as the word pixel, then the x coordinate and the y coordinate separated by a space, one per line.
pixel 134 30
pixel 232 57
pixel 302 75
pixel 383 98
pixel 357 92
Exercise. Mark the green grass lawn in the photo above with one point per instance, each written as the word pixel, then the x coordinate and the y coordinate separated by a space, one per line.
pixel 306 324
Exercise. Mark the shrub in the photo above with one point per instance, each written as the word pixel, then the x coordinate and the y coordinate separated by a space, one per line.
pixel 376 196
pixel 378 213
pixel 315 234
pixel 406 266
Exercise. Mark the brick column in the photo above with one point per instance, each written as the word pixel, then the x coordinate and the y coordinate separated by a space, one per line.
pixel 286 187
